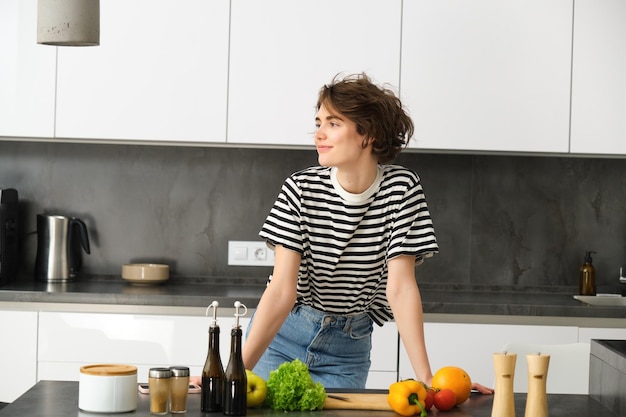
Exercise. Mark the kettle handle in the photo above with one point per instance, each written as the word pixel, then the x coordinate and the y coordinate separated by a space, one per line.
pixel 84 236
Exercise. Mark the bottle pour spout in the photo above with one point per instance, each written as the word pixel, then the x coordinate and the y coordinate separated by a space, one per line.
pixel 213 305
pixel 239 306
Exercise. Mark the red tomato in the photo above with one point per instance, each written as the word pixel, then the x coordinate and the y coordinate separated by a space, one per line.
pixel 430 399
pixel 445 399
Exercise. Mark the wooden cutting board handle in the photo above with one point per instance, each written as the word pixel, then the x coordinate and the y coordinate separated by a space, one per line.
pixel 358 402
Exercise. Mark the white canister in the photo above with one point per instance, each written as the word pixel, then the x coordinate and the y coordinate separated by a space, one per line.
pixel 107 388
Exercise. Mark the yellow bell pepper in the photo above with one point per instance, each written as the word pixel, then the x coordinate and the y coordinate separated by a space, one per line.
pixel 407 397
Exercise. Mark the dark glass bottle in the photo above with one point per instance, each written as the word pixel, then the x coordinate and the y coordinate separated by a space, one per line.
pixel 235 380
pixel 213 373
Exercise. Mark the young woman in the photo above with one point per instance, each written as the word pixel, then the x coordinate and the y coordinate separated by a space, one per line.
pixel 347 236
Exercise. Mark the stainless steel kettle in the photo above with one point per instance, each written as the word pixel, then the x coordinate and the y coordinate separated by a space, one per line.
pixel 59 241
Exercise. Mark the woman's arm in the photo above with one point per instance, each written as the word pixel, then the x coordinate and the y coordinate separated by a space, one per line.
pixel 406 304
pixel 275 304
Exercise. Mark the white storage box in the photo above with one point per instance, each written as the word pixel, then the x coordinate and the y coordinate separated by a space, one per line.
pixel 107 388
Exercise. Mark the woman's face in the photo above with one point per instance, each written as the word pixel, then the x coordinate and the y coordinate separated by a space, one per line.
pixel 337 141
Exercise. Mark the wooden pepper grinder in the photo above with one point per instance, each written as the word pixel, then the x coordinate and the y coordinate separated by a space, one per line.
pixel 503 401
pixel 536 401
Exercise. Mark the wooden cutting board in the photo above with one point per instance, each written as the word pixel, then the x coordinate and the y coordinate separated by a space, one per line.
pixel 357 402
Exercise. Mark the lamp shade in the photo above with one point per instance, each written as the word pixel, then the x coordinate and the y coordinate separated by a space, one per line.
pixel 68 22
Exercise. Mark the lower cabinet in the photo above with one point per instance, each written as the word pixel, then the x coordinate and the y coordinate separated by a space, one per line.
pixel 471 346
pixel 384 357
pixel 68 341
pixel 54 345
pixel 18 353
pixel 585 334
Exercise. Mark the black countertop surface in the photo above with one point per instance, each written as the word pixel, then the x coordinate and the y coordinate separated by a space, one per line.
pixel 60 399
pixel 178 292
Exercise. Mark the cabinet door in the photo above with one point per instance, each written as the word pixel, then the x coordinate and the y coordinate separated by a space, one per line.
pixel 282 52
pixel 18 353
pixel 488 75
pixel 159 74
pixel 471 346
pixel 384 357
pixel 599 77
pixel 27 73
pixel 68 341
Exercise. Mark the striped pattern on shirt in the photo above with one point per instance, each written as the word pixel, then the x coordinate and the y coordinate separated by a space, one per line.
pixel 345 240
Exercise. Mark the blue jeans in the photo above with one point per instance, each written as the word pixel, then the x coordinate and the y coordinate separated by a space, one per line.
pixel 335 348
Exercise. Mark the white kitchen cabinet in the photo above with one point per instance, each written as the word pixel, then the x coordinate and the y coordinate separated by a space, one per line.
pixel 18 353
pixel 282 52
pixel 68 341
pixel 599 78
pixel 585 334
pixel 27 73
pixel 159 74
pixel 471 346
pixel 488 75
pixel 384 357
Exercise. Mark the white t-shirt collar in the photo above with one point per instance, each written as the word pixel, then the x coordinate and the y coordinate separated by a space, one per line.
pixel 356 198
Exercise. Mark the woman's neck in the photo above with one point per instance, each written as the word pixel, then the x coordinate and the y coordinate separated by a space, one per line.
pixel 358 179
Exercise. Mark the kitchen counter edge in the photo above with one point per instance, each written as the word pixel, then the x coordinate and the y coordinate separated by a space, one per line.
pixel 440 303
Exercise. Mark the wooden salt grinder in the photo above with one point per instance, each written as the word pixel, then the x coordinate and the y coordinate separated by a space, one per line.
pixel 536 401
pixel 503 401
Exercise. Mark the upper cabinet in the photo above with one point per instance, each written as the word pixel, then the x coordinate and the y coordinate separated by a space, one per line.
pixel 599 77
pixel 488 75
pixel 27 73
pixel 160 73
pixel 482 75
pixel 283 51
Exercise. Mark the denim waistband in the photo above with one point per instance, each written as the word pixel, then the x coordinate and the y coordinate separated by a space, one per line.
pixel 322 317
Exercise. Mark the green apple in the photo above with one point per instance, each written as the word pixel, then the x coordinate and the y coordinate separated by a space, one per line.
pixel 257 389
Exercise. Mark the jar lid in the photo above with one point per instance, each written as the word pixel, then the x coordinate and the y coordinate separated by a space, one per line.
pixel 179 370
pixel 108 369
pixel 159 373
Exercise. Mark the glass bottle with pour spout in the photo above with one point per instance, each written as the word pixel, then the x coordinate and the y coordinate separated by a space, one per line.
pixel 213 371
pixel 236 383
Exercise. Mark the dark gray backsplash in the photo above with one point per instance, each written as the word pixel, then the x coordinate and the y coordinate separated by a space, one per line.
pixel 500 220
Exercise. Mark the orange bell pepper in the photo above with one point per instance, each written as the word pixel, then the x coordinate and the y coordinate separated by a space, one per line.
pixel 407 398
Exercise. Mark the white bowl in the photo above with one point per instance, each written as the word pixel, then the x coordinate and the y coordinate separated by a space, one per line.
pixel 107 388
pixel 145 274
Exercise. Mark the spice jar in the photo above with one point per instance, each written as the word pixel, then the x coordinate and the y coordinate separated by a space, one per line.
pixel 179 387
pixel 159 382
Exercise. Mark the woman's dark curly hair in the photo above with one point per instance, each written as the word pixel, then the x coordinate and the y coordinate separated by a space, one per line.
pixel 376 111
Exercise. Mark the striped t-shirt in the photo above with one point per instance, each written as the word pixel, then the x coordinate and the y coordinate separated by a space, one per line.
pixel 345 240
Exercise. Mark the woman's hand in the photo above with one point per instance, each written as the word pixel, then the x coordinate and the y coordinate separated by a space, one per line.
pixel 482 389
pixel 195 380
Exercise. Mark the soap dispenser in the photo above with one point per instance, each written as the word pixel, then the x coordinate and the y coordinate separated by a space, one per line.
pixel 587 284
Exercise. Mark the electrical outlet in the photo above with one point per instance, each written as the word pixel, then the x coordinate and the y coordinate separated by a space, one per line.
pixel 250 253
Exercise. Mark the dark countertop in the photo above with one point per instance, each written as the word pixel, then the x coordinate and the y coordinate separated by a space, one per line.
pixel 179 292
pixel 173 293
pixel 60 399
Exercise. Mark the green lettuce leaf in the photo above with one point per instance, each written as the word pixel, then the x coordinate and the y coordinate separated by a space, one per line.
pixel 291 388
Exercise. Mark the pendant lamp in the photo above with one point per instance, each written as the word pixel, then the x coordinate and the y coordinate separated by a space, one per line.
pixel 68 22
